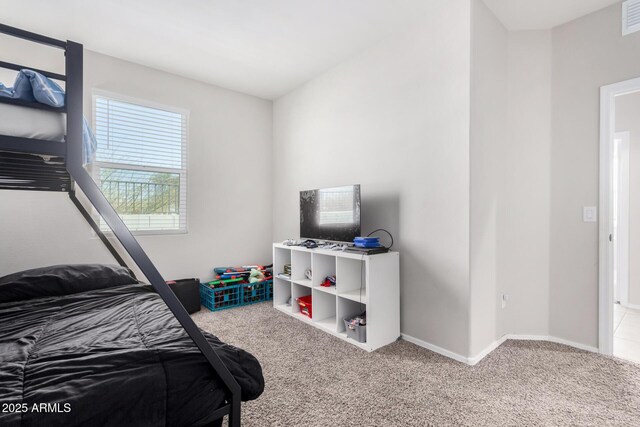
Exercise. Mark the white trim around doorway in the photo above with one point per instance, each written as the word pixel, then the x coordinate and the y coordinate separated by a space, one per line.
pixel 605 250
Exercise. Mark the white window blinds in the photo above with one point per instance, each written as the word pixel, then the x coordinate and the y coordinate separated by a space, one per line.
pixel 141 162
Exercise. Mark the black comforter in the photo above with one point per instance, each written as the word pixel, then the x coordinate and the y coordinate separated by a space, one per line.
pixel 87 349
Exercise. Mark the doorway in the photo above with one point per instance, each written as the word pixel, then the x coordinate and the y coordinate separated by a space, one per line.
pixel 620 216
pixel 619 305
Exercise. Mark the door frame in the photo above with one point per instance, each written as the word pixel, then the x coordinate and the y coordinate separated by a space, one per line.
pixel 621 237
pixel 605 248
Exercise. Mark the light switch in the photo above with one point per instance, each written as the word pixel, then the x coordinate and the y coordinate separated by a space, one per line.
pixel 590 214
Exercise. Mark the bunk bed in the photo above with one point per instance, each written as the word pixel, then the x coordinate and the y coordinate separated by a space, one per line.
pixel 44 299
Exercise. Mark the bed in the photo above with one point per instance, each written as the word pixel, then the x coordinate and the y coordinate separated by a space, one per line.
pixel 114 369
pixel 95 347
pixel 46 122
pixel 27 122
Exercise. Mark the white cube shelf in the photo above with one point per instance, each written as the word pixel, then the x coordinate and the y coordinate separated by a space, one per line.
pixel 368 283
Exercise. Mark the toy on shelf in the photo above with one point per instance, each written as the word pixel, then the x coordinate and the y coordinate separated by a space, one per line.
pixel 286 274
pixel 328 281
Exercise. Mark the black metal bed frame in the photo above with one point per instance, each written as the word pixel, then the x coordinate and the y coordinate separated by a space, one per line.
pixel 22 167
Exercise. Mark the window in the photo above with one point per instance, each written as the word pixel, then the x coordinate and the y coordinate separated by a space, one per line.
pixel 141 162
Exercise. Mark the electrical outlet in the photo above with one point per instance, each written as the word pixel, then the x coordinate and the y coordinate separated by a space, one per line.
pixel 504 299
pixel 590 214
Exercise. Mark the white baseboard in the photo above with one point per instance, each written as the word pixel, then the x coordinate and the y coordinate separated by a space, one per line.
pixel 435 348
pixel 484 353
pixel 633 306
pixel 573 344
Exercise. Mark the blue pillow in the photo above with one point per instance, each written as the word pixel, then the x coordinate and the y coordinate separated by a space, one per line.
pixel 32 86
pixel 45 90
pixel 21 89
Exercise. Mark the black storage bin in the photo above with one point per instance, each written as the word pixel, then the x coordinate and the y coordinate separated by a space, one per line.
pixel 188 292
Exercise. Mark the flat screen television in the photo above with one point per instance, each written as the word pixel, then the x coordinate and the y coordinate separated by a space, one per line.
pixel 330 213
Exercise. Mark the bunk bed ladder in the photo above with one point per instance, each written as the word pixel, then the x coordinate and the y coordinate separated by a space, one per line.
pixel 74 160
pixel 96 228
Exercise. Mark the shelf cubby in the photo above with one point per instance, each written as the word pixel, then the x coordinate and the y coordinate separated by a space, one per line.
pixel 351 278
pixel 300 263
pixel 324 310
pixel 348 309
pixel 281 293
pixel 363 283
pixel 322 266
pixel 298 291
pixel 281 256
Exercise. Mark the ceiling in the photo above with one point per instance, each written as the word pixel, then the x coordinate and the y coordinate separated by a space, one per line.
pixel 543 14
pixel 264 48
pixel 260 47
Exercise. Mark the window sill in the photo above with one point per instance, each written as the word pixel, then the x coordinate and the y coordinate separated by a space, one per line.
pixel 109 234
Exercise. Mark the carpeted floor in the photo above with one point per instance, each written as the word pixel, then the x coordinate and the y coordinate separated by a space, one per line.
pixel 314 379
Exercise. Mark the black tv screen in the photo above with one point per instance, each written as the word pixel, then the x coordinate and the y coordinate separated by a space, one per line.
pixel 330 213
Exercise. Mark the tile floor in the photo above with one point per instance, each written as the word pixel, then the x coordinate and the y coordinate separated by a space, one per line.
pixel 626 333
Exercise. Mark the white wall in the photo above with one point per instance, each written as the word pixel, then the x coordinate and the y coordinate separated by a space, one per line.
pixel 527 234
pixel 510 180
pixel 396 120
pixel 587 53
pixel 523 269
pixel 628 120
pixel 229 156
pixel 488 137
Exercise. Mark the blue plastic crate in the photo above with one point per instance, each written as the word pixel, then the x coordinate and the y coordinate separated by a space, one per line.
pixel 220 298
pixel 257 292
pixel 224 297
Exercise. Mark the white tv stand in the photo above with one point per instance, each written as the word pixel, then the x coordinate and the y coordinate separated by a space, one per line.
pixel 368 283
